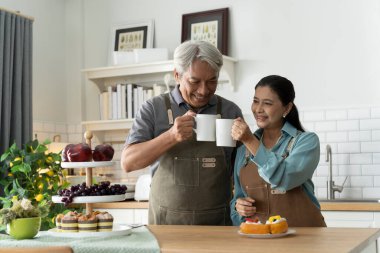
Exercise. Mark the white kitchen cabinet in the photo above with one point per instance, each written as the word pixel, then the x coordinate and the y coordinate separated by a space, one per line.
pixel 145 74
pixel 353 219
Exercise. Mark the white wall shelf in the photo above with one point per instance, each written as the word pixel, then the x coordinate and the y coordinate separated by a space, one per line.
pixel 148 73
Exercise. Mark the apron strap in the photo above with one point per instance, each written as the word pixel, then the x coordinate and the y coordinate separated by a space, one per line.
pixel 169 109
pixel 290 145
pixel 219 107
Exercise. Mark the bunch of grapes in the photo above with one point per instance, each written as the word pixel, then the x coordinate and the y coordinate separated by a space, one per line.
pixel 82 190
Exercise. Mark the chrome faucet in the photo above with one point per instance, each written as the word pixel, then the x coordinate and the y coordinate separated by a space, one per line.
pixel 331 187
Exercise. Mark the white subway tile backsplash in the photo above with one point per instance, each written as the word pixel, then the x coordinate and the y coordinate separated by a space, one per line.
pixel 370 124
pixel 370 147
pixel 48 127
pixel 375 113
pixel 359 136
pixel 336 136
pixel 360 159
pixel 309 126
pixel 347 125
pixel 371 193
pixel 349 147
pixel 361 181
pixel 362 113
pixel 352 170
pixel 371 169
pixel 313 116
pixel 71 128
pixel 351 193
pixel 321 126
pixel 376 158
pixel 61 128
pixel 376 135
pixel 342 159
pixel 376 181
pixel 336 114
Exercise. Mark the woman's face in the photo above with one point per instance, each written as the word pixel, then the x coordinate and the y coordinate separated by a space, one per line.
pixel 197 84
pixel 268 109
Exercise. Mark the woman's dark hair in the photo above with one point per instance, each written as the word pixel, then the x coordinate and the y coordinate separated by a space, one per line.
pixel 285 91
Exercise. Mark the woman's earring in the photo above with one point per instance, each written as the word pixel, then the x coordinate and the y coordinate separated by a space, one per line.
pixel 284 116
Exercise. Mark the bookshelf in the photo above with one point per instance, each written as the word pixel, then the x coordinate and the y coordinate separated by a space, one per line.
pixel 144 74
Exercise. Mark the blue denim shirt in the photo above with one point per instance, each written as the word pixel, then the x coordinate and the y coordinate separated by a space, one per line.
pixel 282 174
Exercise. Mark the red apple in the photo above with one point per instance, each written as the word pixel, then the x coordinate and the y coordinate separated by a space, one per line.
pixel 64 152
pixel 80 152
pixel 103 152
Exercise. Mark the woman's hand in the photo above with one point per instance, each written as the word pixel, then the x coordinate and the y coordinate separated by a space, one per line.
pixel 240 131
pixel 244 206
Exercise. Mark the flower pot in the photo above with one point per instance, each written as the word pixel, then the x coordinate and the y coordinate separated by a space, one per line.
pixel 24 228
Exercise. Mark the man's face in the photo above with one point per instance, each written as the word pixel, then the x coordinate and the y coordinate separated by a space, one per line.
pixel 197 84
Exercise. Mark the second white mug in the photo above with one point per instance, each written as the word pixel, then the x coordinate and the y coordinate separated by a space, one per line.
pixel 223 133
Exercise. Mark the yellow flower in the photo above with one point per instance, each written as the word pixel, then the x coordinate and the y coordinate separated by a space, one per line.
pixel 17 159
pixel 39 197
pixel 14 198
pixel 41 186
pixel 50 173
pixel 11 164
pixel 49 159
pixel 10 174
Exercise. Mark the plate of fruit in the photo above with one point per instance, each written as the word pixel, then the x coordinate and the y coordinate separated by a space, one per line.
pixel 81 155
pixel 81 193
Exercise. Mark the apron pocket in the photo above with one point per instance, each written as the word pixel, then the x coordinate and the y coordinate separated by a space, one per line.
pixel 260 195
pixel 186 171
pixel 180 217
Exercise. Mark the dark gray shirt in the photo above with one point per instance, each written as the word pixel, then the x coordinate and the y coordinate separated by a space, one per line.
pixel 152 119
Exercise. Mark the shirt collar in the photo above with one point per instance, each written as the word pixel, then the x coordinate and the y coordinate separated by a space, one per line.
pixel 177 96
pixel 286 128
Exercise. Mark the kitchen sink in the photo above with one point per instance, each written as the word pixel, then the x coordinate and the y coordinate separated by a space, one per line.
pixel 350 200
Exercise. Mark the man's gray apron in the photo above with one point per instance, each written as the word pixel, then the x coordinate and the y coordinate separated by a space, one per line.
pixel 192 185
pixel 294 204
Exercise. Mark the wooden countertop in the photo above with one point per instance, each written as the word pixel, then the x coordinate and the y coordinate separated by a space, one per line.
pixel 325 206
pixel 197 239
pixel 350 206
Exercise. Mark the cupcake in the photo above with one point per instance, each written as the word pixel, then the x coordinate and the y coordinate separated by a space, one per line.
pixel 87 223
pixel 105 221
pixel 58 220
pixel 69 223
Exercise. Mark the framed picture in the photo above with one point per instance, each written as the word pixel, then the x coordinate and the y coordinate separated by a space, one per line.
pixel 211 26
pixel 133 35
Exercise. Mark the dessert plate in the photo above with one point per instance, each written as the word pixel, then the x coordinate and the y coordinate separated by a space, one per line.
pixel 79 165
pixel 117 229
pixel 91 199
pixel 267 236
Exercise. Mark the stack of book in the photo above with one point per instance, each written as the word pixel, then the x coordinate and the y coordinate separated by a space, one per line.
pixel 122 101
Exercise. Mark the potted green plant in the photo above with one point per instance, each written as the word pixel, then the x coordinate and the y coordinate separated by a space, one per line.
pixel 35 174
pixel 23 220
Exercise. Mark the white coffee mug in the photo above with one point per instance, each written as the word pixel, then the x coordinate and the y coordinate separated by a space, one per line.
pixel 205 127
pixel 223 133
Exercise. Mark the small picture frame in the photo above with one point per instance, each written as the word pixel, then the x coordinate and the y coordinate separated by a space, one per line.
pixel 132 35
pixel 211 26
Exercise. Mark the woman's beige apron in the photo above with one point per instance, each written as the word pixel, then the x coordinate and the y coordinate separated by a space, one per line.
pixel 192 185
pixel 293 204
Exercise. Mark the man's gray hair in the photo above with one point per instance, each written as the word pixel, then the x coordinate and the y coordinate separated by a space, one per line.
pixel 189 51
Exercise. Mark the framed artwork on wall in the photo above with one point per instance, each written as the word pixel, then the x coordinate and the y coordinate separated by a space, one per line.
pixel 133 35
pixel 211 26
